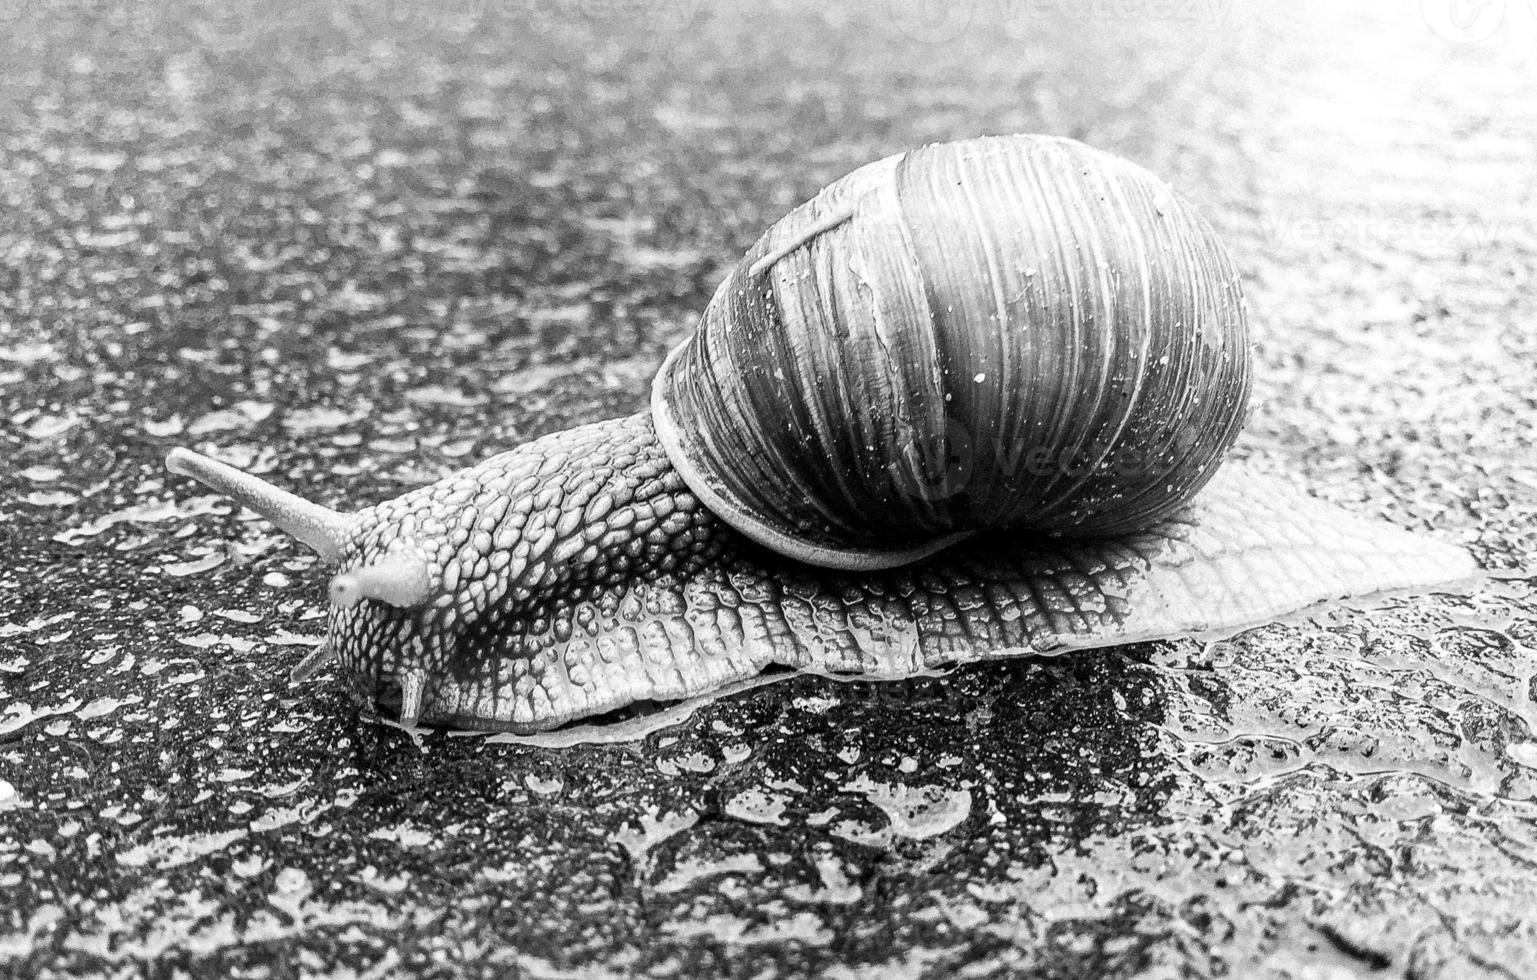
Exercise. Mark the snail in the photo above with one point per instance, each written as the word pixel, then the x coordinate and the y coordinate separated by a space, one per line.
pixel 969 401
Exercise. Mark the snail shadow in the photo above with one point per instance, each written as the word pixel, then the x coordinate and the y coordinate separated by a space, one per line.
pixel 1077 732
pixel 1064 747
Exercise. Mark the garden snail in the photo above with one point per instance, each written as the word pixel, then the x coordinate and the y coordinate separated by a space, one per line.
pixel 968 402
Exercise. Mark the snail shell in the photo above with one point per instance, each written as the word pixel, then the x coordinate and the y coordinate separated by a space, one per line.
pixel 1006 332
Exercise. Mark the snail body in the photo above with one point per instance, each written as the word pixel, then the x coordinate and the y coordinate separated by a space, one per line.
pixel 962 404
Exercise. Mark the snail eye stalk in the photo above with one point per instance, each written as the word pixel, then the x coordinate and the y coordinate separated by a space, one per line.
pixel 322 528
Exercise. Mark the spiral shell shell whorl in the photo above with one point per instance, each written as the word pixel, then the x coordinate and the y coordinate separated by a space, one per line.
pixel 1008 332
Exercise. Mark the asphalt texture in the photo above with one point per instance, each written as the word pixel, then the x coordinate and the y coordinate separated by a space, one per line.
pixel 355 247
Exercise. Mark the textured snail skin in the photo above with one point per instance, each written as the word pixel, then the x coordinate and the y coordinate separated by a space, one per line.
pixel 577 574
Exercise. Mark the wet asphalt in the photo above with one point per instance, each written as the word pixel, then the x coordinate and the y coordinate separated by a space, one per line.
pixel 357 247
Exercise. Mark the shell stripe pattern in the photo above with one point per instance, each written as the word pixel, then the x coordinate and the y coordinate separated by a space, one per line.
pixel 1009 332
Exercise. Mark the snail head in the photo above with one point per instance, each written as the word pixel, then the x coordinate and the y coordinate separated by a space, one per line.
pixel 390 597
pixel 457 600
